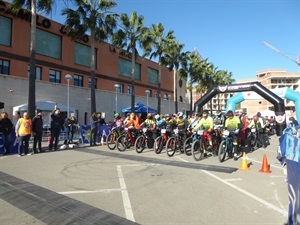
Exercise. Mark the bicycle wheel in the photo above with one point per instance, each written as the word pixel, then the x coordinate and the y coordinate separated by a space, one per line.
pixel 111 140
pixel 197 151
pixel 171 146
pixel 122 142
pixel 140 144
pixel 222 151
pixel 187 146
pixel 158 144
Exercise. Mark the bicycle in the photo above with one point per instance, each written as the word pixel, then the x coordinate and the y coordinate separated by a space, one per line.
pixel 161 140
pixel 112 137
pixel 127 139
pixel 201 146
pixel 174 143
pixel 187 145
pixel 145 139
pixel 227 147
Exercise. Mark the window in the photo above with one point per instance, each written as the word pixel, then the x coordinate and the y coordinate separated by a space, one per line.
pixel 166 96
pixel 48 44
pixel 90 83
pixel 78 81
pixel 4 67
pixel 38 72
pixel 120 89
pixel 54 76
pixel 152 76
pixel 129 90
pixel 124 69
pixel 82 55
pixel 5 31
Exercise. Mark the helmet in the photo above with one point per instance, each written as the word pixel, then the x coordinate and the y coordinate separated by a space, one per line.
pixel 117 114
pixel 291 118
pixel 255 118
pixel 167 115
pixel 205 112
pixel 258 114
pixel 179 114
pixel 156 116
pixel 229 113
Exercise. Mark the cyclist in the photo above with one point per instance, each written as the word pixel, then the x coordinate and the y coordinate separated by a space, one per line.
pixel 118 122
pixel 159 124
pixel 207 123
pixel 257 122
pixel 232 124
pixel 133 123
pixel 219 118
pixel 149 122
pixel 181 124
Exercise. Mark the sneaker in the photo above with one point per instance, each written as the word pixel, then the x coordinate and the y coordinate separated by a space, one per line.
pixel 19 155
pixel 30 153
pixel 22 154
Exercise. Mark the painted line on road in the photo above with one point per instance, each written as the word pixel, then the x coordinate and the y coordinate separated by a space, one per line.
pixel 91 191
pixel 269 205
pixel 125 196
pixel 234 179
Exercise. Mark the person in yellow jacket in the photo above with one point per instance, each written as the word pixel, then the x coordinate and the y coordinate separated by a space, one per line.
pixel 23 133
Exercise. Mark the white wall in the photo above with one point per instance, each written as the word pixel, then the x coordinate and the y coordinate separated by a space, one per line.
pixel 14 91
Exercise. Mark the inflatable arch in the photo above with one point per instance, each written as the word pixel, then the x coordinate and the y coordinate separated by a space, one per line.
pixel 242 87
pixel 281 92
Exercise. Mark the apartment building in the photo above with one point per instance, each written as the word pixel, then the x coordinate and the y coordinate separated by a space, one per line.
pixel 272 79
pixel 57 55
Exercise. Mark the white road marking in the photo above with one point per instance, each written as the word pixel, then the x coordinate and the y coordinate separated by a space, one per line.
pixel 269 205
pixel 91 191
pixel 125 196
pixel 234 179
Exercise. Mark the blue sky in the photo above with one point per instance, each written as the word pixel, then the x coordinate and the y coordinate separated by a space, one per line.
pixel 227 32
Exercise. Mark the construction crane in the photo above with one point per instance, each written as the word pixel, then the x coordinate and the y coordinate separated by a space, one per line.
pixel 281 53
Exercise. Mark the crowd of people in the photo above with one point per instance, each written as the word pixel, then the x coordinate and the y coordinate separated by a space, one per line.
pixel 186 124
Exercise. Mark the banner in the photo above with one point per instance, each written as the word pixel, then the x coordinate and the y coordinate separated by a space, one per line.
pixel 103 131
pixel 293 176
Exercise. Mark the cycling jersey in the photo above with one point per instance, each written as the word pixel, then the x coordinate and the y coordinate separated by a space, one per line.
pixel 233 123
pixel 207 123
pixel 149 123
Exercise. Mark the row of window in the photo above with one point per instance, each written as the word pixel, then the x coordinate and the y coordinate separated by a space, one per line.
pixel 50 45
pixel 55 77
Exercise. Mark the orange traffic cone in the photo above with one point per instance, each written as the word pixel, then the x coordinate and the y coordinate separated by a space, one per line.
pixel 244 165
pixel 265 167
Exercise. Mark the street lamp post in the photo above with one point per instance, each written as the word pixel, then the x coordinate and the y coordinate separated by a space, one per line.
pixel 68 77
pixel 169 97
pixel 147 93
pixel 117 87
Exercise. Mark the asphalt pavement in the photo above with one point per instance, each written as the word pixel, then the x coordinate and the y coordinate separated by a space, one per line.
pixel 95 185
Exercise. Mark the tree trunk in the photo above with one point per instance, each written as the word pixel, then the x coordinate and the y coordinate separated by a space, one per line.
pixel 93 79
pixel 31 78
pixel 132 78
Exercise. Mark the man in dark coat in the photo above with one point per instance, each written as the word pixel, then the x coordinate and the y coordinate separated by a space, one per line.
pixel 57 124
pixel 6 127
pixel 37 129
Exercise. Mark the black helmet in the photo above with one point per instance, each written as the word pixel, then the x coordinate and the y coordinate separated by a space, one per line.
pixel 205 111
pixel 258 114
pixel 229 113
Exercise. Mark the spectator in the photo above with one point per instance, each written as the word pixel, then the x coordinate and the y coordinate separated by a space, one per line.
pixel 72 126
pixel 6 127
pixel 57 124
pixel 94 121
pixel 23 133
pixel 37 130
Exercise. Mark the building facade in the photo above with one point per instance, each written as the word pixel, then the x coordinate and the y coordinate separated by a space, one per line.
pixel 272 79
pixel 57 55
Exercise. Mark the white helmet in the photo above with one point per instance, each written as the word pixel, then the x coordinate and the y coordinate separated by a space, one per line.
pixel 156 116
pixel 179 114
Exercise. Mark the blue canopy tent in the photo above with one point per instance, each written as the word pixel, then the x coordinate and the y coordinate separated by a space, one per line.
pixel 139 108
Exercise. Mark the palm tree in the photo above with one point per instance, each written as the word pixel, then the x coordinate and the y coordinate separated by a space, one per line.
pixel 131 33
pixel 191 71
pixel 156 45
pixel 173 58
pixel 91 16
pixel 33 5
